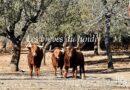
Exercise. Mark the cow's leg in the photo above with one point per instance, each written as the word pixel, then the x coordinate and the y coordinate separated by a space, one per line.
pixel 36 71
pixel 80 70
pixel 75 72
pixel 83 71
pixel 31 70
pixel 55 70
pixel 61 72
pixel 66 72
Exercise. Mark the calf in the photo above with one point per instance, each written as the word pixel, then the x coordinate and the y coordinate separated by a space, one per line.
pixel 57 59
pixel 34 56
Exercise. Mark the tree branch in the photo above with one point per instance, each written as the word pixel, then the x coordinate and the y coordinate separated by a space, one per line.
pixel 33 19
pixel 104 2
pixel 19 16
pixel 3 34
pixel 41 10
pixel 10 34
pixel 24 29
pixel 116 2
pixel 10 29
pixel 95 21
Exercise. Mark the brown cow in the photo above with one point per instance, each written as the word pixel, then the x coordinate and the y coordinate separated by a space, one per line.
pixel 57 59
pixel 72 59
pixel 34 56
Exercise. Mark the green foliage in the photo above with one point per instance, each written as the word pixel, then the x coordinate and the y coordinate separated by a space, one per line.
pixel 72 20
pixel 62 17
pixel 65 17
pixel 119 25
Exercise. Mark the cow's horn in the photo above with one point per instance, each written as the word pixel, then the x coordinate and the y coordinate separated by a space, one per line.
pixel 29 45
pixel 40 46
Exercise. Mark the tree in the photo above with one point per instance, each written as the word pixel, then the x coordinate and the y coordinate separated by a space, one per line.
pixel 62 18
pixel 19 15
pixel 120 24
pixel 108 11
pixel 92 19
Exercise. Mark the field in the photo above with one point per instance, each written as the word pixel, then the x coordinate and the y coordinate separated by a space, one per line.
pixel 98 77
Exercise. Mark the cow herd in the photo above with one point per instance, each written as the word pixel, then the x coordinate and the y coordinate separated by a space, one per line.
pixel 67 58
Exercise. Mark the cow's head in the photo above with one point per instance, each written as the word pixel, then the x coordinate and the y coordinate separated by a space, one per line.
pixel 69 51
pixel 57 52
pixel 33 47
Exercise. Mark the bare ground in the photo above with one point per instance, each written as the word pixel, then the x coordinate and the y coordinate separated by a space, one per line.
pixel 98 77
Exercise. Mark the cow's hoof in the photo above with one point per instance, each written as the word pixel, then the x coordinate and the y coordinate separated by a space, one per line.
pixel 55 75
pixel 61 76
pixel 74 77
pixel 65 77
pixel 83 77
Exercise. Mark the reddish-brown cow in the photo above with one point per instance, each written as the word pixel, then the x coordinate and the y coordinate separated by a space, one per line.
pixel 34 56
pixel 57 59
pixel 72 59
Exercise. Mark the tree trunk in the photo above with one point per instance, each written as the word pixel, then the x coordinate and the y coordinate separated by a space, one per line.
pixel 78 42
pixel 65 42
pixel 4 44
pixel 96 46
pixel 4 47
pixel 15 57
pixel 99 40
pixel 44 52
pixel 107 40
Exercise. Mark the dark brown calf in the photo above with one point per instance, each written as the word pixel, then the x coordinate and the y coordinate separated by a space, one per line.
pixel 72 59
pixel 34 56
pixel 57 59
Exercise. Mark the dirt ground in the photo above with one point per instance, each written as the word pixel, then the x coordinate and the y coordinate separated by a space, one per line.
pixel 97 75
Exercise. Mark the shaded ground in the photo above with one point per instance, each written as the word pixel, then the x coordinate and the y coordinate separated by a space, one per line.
pixel 98 77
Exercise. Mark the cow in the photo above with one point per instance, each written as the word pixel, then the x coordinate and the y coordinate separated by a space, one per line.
pixel 57 59
pixel 34 56
pixel 72 59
